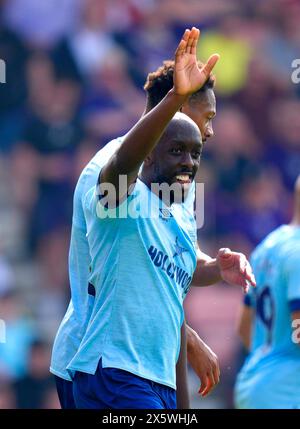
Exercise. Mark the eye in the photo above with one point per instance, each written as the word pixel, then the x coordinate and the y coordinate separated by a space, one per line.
pixel 196 154
pixel 176 151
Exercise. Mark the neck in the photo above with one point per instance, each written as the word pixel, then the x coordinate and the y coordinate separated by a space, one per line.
pixel 148 181
pixel 296 220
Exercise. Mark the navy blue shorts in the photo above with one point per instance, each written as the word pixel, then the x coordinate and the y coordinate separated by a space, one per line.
pixel 65 393
pixel 111 388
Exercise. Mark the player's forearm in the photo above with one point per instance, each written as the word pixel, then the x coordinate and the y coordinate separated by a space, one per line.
pixel 181 373
pixel 245 326
pixel 207 271
pixel 141 140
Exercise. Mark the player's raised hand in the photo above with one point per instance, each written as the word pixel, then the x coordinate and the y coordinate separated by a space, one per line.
pixel 188 77
pixel 235 269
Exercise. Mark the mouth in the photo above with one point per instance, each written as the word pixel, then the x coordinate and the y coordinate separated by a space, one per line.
pixel 184 178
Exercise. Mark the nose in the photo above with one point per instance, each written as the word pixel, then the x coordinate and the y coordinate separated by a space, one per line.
pixel 187 161
pixel 209 132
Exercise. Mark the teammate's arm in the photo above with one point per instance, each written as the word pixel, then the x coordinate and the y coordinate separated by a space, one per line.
pixel 182 393
pixel 291 273
pixel 143 137
pixel 296 326
pixel 244 327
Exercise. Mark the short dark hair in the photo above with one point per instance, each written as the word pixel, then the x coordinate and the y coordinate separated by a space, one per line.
pixel 159 83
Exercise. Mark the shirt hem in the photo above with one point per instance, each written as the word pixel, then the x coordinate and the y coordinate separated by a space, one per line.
pixel 59 374
pixel 134 372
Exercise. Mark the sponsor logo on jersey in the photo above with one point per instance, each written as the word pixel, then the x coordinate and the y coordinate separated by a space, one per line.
pixel 163 261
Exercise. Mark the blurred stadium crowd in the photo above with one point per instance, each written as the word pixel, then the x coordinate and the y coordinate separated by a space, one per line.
pixel 75 70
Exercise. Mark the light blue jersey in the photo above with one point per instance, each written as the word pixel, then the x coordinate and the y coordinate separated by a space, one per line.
pixel 141 268
pixel 74 323
pixel 270 377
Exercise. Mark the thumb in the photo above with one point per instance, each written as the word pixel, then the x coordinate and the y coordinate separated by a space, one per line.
pixel 224 253
pixel 212 61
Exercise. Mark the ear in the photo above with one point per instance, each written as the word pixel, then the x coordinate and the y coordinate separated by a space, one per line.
pixel 149 160
pixel 184 108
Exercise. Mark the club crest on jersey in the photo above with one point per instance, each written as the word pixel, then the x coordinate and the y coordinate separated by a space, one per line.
pixel 165 214
pixel 179 250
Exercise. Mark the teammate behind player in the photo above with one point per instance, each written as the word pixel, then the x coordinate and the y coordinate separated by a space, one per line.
pixel 200 106
pixel 271 373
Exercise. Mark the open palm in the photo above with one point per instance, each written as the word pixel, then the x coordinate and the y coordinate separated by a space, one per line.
pixel 188 77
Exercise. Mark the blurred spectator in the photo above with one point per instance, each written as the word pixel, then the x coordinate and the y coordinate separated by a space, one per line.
pixel 283 140
pixel 7 395
pixel 41 23
pixel 13 92
pixel 149 42
pixel 50 141
pixel 19 332
pixel 112 103
pixel 50 401
pixel 89 46
pixel 33 388
pixel 6 277
pixel 235 53
pixel 264 204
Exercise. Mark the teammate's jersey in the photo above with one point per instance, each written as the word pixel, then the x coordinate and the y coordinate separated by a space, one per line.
pixel 143 261
pixel 270 377
pixel 73 325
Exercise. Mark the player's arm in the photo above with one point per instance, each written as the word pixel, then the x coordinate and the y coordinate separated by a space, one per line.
pixel 232 267
pixel 296 326
pixel 207 271
pixel 203 361
pixel 244 327
pixel 291 273
pixel 144 136
pixel 182 393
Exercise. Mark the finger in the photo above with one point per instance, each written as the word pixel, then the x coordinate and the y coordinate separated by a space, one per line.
pixel 186 34
pixel 193 38
pixel 210 385
pixel 247 272
pixel 204 384
pixel 183 43
pixel 249 276
pixel 195 42
pixel 216 372
pixel 246 287
pixel 224 252
pixel 243 266
pixel 207 68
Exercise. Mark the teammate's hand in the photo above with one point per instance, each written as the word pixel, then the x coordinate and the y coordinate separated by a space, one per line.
pixel 235 269
pixel 203 361
pixel 188 77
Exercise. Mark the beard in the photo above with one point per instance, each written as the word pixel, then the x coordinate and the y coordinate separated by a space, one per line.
pixel 168 190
